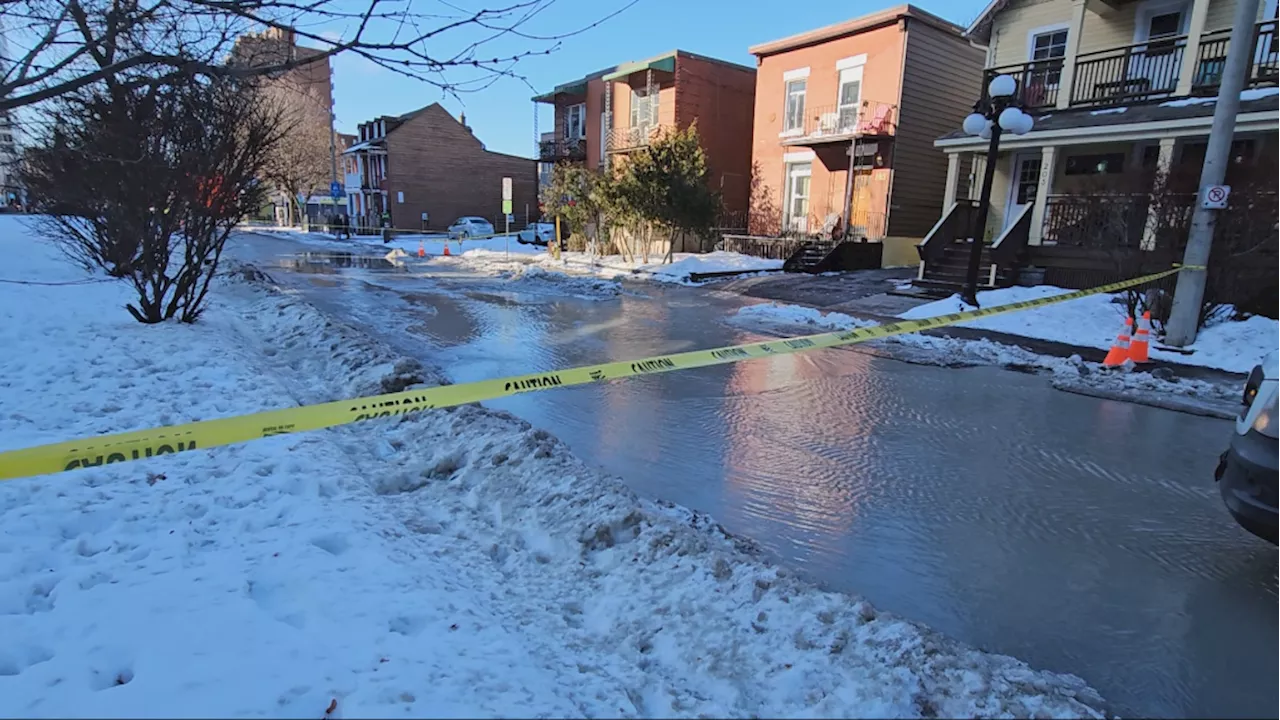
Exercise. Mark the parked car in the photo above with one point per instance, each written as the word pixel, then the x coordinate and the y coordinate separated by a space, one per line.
pixel 537 234
pixel 470 226
pixel 1247 471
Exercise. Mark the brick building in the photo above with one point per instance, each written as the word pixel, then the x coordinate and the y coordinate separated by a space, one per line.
pixel 612 112
pixel 845 119
pixel 429 162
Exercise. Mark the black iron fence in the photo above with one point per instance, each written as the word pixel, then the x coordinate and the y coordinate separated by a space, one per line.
pixel 1038 82
pixel 1131 73
pixel 1212 59
pixel 865 118
pixel 557 150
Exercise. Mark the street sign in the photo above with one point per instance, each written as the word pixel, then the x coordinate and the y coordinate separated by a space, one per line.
pixel 1215 197
pixel 506 189
pixel 336 190
pixel 506 207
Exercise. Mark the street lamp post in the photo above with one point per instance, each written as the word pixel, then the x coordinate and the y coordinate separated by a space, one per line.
pixel 991 117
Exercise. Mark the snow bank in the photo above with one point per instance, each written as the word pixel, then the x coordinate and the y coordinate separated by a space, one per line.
pixel 928 349
pixel 1095 321
pixel 1245 96
pixel 453 563
pixel 614 266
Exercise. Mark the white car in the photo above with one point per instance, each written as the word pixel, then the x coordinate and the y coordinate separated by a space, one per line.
pixel 537 234
pixel 1247 471
pixel 470 226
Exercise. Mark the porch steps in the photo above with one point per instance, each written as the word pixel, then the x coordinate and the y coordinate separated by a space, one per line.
pixel 945 276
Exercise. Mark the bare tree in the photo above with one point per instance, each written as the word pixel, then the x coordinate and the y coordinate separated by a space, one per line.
pixel 300 164
pixel 147 184
pixel 60 46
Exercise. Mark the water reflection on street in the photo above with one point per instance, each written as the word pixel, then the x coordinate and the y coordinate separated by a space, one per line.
pixel 1078 534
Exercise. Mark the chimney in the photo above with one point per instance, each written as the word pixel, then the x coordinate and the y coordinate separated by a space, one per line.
pixel 462 118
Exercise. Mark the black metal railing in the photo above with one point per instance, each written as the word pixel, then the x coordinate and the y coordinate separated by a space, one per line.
pixel 557 150
pixel 1038 82
pixel 772 248
pixel 1131 73
pixel 866 118
pixel 1096 221
pixel 1009 247
pixel 1212 59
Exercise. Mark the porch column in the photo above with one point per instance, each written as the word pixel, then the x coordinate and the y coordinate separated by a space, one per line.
pixel 953 180
pixel 1048 165
pixel 1068 77
pixel 1191 54
pixel 1164 161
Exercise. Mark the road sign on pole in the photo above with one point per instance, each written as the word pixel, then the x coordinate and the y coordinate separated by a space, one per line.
pixel 506 207
pixel 506 188
pixel 1215 197
pixel 336 190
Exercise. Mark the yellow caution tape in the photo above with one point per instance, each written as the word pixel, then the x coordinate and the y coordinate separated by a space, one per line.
pixel 141 444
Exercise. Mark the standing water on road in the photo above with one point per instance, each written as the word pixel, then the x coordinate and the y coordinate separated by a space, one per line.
pixel 1078 534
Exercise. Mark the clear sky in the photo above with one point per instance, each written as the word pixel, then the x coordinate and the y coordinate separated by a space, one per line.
pixel 502 114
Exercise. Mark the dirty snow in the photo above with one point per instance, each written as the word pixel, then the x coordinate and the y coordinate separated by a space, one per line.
pixel 1109 111
pixel 1222 398
pixel 1094 321
pixel 452 563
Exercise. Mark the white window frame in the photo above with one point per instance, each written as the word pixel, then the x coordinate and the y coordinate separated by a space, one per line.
pixel 851 62
pixel 786 103
pixel 792 171
pixel 1146 10
pixel 580 111
pixel 847 122
pixel 1034 33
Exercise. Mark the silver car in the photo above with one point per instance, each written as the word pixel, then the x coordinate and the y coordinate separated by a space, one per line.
pixel 470 226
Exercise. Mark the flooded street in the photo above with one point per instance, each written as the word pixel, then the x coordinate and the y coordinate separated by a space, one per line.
pixel 1080 535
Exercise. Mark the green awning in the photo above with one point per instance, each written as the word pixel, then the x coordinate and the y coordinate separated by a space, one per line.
pixel 577 87
pixel 664 63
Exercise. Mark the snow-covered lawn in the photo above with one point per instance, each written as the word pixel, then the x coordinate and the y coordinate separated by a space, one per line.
pixel 453 563
pixel 1094 321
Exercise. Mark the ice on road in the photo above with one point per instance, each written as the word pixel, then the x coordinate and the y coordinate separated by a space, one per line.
pixel 453 563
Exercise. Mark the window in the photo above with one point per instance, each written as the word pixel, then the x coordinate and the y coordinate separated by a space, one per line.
pixel 644 107
pixel 850 96
pixel 793 116
pixel 1101 164
pixel 575 122
pixel 1150 157
pixel 796 210
pixel 1162 29
pixel 1049 45
pixel 1193 153
pixel 1045 48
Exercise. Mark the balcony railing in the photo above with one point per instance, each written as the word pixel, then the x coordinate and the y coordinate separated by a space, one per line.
pixel 1212 58
pixel 1131 73
pixel 1095 221
pixel 826 123
pixel 1038 82
pixel 557 150
pixel 632 138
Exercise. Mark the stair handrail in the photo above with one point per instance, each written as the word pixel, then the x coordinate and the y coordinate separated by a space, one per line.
pixel 1013 241
pixel 944 232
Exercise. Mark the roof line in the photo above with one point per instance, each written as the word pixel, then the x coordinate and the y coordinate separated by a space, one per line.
pixel 853 27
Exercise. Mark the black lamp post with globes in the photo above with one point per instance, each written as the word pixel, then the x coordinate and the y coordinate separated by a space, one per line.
pixel 996 113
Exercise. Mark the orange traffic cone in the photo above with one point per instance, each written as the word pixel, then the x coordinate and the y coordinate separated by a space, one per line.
pixel 446 248
pixel 1119 351
pixel 1141 340
pixel 422 249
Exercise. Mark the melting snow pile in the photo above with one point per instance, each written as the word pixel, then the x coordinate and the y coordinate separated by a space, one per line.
pixel 453 563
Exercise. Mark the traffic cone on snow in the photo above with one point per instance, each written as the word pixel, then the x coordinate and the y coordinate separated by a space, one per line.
pixel 1119 351
pixel 422 249
pixel 1141 340
pixel 446 248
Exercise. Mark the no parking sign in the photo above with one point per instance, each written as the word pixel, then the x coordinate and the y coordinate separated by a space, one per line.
pixel 1215 197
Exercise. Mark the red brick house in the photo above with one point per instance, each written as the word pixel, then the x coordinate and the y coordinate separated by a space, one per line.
pixel 845 119
pixel 427 163
pixel 610 113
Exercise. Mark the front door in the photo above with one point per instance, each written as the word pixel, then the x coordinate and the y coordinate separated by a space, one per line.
pixel 1022 187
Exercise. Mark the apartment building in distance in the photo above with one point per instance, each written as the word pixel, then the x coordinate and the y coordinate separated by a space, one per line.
pixel 845 119
pixel 608 114
pixel 1122 92
pixel 424 169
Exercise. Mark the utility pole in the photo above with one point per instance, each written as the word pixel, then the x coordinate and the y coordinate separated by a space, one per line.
pixel 1184 317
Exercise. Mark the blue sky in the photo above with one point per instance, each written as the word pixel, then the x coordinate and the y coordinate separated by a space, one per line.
pixel 502 115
